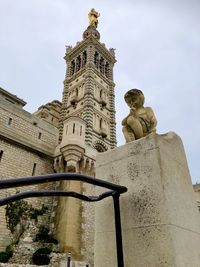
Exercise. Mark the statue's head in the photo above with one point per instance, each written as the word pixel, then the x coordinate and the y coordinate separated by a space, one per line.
pixel 134 98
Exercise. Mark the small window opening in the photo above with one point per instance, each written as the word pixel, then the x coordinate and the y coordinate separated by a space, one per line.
pixel 102 65
pixel 39 135
pixel 66 129
pixel 73 128
pixel 84 58
pixel 1 154
pixel 107 70
pixel 100 123
pixel 78 63
pixel 96 59
pixel 10 121
pixel 72 68
pixel 100 93
pixel 81 130
pixel 34 169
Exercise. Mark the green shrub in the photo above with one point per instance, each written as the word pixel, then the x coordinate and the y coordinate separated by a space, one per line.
pixel 9 251
pixel 4 256
pixel 7 254
pixel 41 256
pixel 21 210
pixel 43 236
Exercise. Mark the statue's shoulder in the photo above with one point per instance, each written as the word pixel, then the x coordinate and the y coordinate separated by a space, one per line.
pixel 149 109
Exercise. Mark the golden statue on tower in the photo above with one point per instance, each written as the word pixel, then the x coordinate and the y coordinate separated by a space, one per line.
pixel 93 17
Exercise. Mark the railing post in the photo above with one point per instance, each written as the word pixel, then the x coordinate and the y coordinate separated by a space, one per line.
pixel 118 230
pixel 69 259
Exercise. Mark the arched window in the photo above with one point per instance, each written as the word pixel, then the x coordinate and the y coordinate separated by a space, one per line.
pixel 101 93
pixel 73 128
pixel 96 59
pixel 84 61
pixel 72 68
pixel 97 121
pixel 102 65
pixel 107 70
pixel 78 63
pixel 100 123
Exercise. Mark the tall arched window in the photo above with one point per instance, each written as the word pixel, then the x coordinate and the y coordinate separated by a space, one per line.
pixel 96 59
pixel 72 68
pixel 100 123
pixel 107 70
pixel 84 61
pixel 78 63
pixel 101 65
pixel 73 130
pixel 101 93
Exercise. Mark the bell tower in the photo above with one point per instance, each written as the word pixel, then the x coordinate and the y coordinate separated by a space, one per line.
pixel 87 123
pixel 89 91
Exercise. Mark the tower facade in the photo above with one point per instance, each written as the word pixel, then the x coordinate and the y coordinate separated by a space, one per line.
pixel 89 95
pixel 86 127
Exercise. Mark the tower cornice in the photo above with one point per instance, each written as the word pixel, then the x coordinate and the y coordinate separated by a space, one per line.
pixel 72 52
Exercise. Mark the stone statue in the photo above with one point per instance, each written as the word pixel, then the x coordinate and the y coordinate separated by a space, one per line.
pixel 93 18
pixel 141 120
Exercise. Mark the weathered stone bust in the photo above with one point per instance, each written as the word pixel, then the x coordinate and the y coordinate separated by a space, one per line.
pixel 141 120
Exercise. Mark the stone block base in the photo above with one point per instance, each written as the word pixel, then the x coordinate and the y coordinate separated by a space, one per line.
pixel 160 219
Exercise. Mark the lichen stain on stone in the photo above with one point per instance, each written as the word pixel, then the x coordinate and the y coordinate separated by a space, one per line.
pixel 144 203
pixel 136 149
pixel 137 171
pixel 133 170
pixel 162 262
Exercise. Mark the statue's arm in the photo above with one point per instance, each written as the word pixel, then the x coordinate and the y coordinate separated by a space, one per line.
pixel 124 121
pixel 131 113
pixel 152 118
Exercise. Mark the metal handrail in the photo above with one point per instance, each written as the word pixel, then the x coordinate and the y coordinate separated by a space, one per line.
pixel 114 191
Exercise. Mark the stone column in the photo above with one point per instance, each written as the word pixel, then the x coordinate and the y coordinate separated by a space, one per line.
pixel 160 219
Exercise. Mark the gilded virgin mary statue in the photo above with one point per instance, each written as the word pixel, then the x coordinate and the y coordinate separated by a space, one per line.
pixel 93 17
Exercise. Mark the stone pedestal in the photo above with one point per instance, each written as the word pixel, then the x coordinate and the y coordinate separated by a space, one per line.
pixel 160 219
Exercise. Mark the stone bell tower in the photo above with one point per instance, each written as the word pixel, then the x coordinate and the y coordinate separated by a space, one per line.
pixel 87 123
pixel 88 110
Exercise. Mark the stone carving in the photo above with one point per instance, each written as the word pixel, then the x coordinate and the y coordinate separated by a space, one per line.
pixel 93 17
pixel 141 120
pixel 112 51
pixel 68 48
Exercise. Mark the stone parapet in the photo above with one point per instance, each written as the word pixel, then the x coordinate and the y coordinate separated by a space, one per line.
pixel 160 219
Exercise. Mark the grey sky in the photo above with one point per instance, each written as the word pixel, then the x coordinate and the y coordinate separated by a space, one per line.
pixel 157 48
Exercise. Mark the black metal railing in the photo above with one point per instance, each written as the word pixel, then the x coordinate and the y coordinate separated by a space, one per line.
pixel 114 191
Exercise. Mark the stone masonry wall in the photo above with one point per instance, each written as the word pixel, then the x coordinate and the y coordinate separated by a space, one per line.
pixel 26 124
pixel 18 162
pixel 27 145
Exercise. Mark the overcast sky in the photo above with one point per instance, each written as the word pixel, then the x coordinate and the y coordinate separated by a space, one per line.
pixel 157 50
